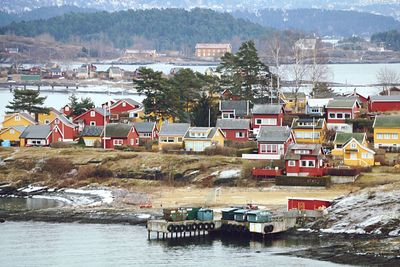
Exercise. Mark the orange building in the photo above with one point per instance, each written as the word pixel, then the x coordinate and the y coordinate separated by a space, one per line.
pixel 212 50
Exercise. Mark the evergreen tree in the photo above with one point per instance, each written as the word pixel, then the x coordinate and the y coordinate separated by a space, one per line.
pixel 204 111
pixel 321 90
pixel 79 107
pixel 28 101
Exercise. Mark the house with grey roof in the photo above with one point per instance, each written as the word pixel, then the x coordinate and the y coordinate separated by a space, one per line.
pixel 125 105
pixel 172 134
pixel 147 130
pixel 235 129
pixel 197 139
pixel 266 115
pixel 234 109
pixel 339 110
pixel 316 106
pixel 115 73
pixel 92 134
pixel 384 103
pixel 63 130
pixel 120 134
pixel 36 135
pixel 93 117
pixel 305 160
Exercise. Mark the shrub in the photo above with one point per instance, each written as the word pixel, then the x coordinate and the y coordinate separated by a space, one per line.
pixel 236 144
pixel 91 171
pixel 219 150
pixel 26 164
pixel 81 142
pixel 97 144
pixel 60 145
pixel 58 165
pixel 166 148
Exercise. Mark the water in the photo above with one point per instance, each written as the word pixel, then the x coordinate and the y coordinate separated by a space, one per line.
pixel 9 203
pixel 70 244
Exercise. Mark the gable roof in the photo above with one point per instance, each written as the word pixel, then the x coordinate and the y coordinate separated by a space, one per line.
pixel 36 132
pixel 315 151
pixel 65 121
pixel 179 129
pixel 55 111
pixel 117 129
pixel 342 138
pixel 144 127
pixel 211 132
pixel 267 109
pixel 298 123
pixel 92 130
pixel 387 121
pixel 291 95
pixel 233 124
pixel 385 98
pixel 276 134
pixel 18 128
pixel 364 147
pixel 241 107
pixel 318 102
pixel 342 103
pixel 101 111
pixel 127 100
pixel 21 114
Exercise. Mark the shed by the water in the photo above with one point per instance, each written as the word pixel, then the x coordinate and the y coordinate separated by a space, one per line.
pixel 241 215
pixel 307 203
pixel 205 215
pixel 259 216
pixel 228 214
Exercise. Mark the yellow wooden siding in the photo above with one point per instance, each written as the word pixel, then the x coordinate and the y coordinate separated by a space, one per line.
pixel 320 140
pixel 218 138
pixel 92 139
pixel 42 117
pixel 175 141
pixel 14 121
pixel 383 140
pixel 358 152
pixel 6 134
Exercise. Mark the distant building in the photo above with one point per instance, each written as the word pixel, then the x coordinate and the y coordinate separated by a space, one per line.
pixel 115 73
pixel 212 50
pixel 137 53
pixel 306 44
pixel 12 50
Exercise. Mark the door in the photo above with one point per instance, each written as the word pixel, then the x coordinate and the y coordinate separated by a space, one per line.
pixel 353 156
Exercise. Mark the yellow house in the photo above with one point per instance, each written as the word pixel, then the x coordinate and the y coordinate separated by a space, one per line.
pixel 90 134
pixel 309 130
pixel 12 134
pixel 356 154
pixel 172 134
pixel 290 100
pixel 387 131
pixel 18 119
pixel 341 139
pixel 197 139
pixel 44 118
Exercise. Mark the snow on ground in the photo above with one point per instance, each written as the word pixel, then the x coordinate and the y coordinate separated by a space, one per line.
pixel 229 174
pixel 369 211
pixel 105 195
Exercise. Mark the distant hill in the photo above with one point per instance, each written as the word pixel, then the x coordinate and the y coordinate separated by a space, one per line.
pixel 165 28
pixel 391 39
pixel 41 13
pixel 322 22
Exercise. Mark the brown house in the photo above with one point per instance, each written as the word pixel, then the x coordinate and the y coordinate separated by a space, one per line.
pixel 212 50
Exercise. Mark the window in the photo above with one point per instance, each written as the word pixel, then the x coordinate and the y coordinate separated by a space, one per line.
pixel 147 134
pixel 17 118
pixel 315 110
pixel 132 141
pixel 179 139
pixel 123 104
pixel 92 113
pixel 308 163
pixel 302 152
pixel 89 142
pixel 395 136
pixel 258 121
pixel 353 145
pixel 304 163
pixel 332 115
pixel 366 155
pixel 379 136
pixel 240 134
pixel 339 115
pixel 66 108
pixel 347 115
pixel 291 163
pixel 269 149
pixel 137 141
pixel 92 123
pixel 12 131
pixel 118 142
pixel 387 136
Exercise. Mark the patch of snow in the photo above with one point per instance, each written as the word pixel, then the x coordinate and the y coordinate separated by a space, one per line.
pixel 214 173
pixel 143 216
pixel 306 230
pixel 395 232
pixel 105 195
pixel 31 189
pixel 229 174
pixel 193 172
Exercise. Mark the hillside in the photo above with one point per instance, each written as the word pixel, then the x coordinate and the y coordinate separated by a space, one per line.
pixel 164 29
pixel 322 22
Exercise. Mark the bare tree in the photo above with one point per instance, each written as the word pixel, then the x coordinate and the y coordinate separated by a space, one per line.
pixel 387 77
pixel 274 46
pixel 319 70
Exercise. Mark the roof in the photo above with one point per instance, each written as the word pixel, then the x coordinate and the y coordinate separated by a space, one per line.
pixel 318 102
pixel 308 123
pixel 218 46
pixel 385 98
pixel 127 100
pixel 267 109
pixel 102 111
pixel 232 124
pixel 387 121
pixel 18 128
pixel 342 138
pixel 36 131
pixel 174 129
pixel 26 116
pixel 362 146
pixel 291 95
pixel 144 127
pixel 65 120
pixel 92 130
pixel 240 107
pixel 115 70
pixel 342 103
pixel 117 129
pixel 55 111
pixel 275 134
pixel 315 151
pixel 211 132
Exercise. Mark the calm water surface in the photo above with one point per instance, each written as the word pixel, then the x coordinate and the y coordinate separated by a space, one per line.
pixel 52 244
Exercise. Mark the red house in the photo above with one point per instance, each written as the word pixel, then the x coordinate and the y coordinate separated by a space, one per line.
pixel 361 99
pixel 235 129
pixel 120 134
pixel 234 109
pixel 339 110
pixel 305 160
pixel 147 131
pixel 63 130
pixel 307 204
pixel 266 115
pixel 93 117
pixel 66 110
pixel 123 106
pixel 273 141
pixel 384 103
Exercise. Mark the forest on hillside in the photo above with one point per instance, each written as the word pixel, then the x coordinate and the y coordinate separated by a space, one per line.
pixel 391 39
pixel 163 29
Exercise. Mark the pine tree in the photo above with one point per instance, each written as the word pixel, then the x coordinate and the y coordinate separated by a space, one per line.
pixel 321 90
pixel 204 112
pixel 79 107
pixel 30 101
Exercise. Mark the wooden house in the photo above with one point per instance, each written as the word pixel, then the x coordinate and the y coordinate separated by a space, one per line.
pixel 235 129
pixel 339 110
pixel 12 134
pixel 387 131
pixel 93 117
pixel 120 134
pixel 36 135
pixel 305 160
pixel 172 134
pixel 384 103
pixel 147 131
pixel 309 130
pixel 63 130
pixel 91 135
pixel 197 139
pixel 273 142
pixel 234 109
pixel 266 115
pixel 18 119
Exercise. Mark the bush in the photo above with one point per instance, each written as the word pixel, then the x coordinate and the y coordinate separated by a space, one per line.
pixel 242 151
pixel 81 142
pixel 26 164
pixel 97 144
pixel 166 148
pixel 60 145
pixel 58 165
pixel 236 144
pixel 85 172
pixel 220 150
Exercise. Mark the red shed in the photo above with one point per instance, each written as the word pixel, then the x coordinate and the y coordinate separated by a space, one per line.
pixel 235 129
pixel 123 106
pixel 296 203
pixel 383 103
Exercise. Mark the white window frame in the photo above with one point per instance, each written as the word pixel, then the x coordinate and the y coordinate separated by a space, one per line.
pixel 379 136
pixel 92 113
pixel 353 145
pixel 17 118
pixel 12 131
pixel 240 134
pixel 123 104
pixel 292 163
pixel 118 142
pixel 132 142
pixel 395 136
pixel 307 163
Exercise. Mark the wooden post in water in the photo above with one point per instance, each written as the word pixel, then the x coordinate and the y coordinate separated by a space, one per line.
pixel 148 235
pixel 158 235
pixel 163 236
